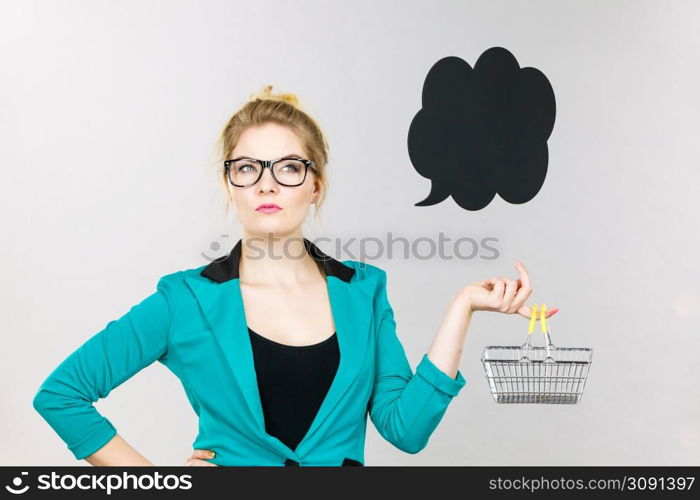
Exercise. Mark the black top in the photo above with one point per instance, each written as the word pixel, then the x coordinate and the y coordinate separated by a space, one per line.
pixel 293 382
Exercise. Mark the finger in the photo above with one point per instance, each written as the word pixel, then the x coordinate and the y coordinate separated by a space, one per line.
pixel 498 288
pixel 524 276
pixel 526 285
pixel 489 283
pixel 520 298
pixel 203 454
pixel 509 295
pixel 199 463
pixel 525 312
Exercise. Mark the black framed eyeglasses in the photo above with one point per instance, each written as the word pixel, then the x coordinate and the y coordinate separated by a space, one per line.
pixel 288 171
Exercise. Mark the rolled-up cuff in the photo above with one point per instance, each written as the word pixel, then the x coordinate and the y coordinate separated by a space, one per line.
pixel 440 379
pixel 99 437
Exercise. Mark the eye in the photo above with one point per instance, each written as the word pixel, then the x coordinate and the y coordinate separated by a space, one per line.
pixel 292 167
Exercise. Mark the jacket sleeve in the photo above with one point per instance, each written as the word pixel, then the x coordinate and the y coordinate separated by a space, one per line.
pixel 106 360
pixel 406 407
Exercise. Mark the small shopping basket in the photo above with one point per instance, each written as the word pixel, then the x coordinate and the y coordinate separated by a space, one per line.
pixel 527 374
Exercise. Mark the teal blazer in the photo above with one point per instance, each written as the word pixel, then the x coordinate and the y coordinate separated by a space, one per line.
pixel 195 325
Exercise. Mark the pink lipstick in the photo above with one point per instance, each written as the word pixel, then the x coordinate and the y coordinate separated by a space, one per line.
pixel 268 208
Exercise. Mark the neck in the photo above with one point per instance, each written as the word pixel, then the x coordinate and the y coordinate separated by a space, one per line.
pixel 272 259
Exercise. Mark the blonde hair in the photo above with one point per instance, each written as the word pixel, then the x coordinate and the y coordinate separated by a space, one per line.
pixel 283 109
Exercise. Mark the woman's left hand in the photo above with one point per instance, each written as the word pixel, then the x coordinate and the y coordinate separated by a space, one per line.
pixel 199 459
pixel 502 294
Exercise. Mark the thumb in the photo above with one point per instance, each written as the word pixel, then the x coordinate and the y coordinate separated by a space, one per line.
pixel 525 311
pixel 203 454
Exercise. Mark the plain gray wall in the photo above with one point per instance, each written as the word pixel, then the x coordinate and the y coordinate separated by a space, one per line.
pixel 108 116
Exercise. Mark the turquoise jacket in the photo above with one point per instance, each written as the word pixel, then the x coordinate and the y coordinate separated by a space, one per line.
pixel 194 324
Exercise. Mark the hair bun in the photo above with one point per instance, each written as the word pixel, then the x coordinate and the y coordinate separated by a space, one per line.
pixel 266 93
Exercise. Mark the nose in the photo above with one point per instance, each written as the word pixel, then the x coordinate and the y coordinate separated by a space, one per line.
pixel 267 182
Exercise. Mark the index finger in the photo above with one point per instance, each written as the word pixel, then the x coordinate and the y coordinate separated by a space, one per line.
pixel 524 277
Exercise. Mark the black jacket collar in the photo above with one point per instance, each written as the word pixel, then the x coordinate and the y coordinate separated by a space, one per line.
pixel 226 268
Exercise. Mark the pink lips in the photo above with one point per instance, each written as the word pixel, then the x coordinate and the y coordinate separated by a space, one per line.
pixel 268 208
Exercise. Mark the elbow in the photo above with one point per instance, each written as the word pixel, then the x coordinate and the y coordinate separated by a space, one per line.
pixel 44 402
pixel 405 441
pixel 409 439
pixel 409 449
pixel 41 402
pixel 411 446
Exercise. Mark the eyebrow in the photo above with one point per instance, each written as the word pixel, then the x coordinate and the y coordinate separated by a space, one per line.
pixel 285 156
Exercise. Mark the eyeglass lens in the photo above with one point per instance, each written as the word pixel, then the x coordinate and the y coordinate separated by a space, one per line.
pixel 245 172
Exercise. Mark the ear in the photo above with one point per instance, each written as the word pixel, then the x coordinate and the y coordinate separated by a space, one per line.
pixel 316 193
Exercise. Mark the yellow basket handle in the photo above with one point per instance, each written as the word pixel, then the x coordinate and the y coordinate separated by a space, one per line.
pixel 543 318
pixel 533 319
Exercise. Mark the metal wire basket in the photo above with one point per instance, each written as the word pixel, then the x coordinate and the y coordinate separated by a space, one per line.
pixel 525 374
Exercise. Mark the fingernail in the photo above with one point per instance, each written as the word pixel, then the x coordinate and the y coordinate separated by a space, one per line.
pixel 212 453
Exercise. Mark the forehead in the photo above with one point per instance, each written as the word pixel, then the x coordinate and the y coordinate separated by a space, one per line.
pixel 267 142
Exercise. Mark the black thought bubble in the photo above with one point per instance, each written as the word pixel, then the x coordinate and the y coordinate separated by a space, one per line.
pixel 483 131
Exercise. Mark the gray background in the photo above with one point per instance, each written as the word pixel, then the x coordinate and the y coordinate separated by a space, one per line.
pixel 108 117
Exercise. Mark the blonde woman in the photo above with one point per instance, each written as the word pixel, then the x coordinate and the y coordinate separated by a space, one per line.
pixel 283 350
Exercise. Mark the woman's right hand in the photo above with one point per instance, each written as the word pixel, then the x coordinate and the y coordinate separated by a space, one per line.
pixel 501 294
pixel 199 458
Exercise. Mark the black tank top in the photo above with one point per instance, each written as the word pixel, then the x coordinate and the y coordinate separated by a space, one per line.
pixel 293 382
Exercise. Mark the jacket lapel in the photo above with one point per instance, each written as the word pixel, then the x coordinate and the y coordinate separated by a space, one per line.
pixel 218 292
pixel 351 305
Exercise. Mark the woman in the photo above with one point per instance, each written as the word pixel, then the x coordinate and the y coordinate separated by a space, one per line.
pixel 282 350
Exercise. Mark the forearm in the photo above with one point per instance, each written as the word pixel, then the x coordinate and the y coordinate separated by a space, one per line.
pixel 117 452
pixel 406 407
pixel 446 349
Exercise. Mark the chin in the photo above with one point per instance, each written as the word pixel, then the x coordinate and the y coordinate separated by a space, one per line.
pixel 270 228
